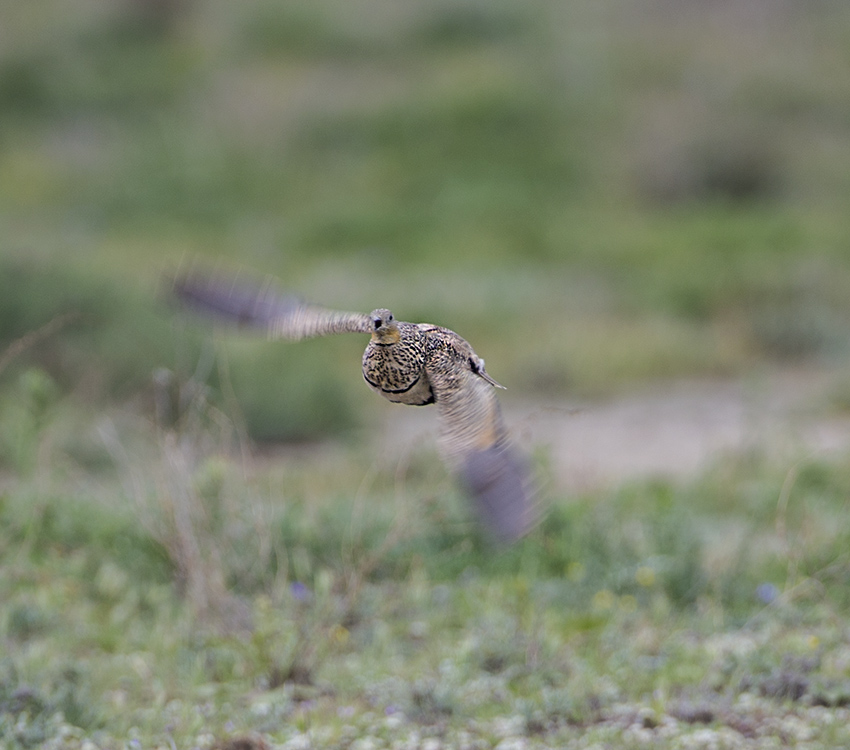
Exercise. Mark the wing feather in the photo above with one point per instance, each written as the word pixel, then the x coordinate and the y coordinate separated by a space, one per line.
pixel 264 306
pixel 475 444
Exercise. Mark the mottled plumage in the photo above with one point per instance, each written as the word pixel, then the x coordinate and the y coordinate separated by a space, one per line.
pixel 407 363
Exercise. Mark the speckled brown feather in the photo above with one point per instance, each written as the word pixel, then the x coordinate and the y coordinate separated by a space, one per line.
pixel 408 363
pixel 394 363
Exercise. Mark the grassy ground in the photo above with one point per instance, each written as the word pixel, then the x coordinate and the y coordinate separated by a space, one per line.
pixel 159 590
pixel 659 191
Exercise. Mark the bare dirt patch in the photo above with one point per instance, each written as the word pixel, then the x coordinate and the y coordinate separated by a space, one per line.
pixel 671 430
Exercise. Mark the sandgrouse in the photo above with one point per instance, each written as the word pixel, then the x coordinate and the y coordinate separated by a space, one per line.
pixel 407 363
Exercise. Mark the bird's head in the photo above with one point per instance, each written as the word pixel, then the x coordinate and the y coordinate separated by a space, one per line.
pixel 384 326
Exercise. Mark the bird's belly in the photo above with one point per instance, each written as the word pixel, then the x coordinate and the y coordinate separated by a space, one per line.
pixel 414 393
pixel 419 394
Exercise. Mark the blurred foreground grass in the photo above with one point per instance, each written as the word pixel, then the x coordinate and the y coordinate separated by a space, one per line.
pixel 160 590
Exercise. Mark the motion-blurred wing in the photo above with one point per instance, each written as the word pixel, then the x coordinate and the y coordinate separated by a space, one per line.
pixel 475 444
pixel 497 479
pixel 264 306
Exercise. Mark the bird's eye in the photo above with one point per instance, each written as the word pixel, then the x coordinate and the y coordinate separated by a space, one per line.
pixel 390 318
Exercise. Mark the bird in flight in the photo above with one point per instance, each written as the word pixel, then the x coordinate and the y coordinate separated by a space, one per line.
pixel 407 363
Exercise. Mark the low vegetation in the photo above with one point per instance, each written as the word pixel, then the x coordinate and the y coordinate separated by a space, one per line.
pixel 161 588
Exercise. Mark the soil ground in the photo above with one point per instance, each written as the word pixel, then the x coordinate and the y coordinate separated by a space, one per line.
pixel 671 430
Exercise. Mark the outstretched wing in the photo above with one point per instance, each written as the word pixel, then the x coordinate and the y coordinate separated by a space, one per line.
pixel 476 446
pixel 264 306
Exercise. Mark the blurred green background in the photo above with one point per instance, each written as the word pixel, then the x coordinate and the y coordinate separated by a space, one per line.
pixel 594 194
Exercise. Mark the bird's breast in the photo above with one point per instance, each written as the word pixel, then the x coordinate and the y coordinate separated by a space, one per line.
pixel 397 371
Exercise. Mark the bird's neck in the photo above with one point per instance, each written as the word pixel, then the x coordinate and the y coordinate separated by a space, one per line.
pixel 386 336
